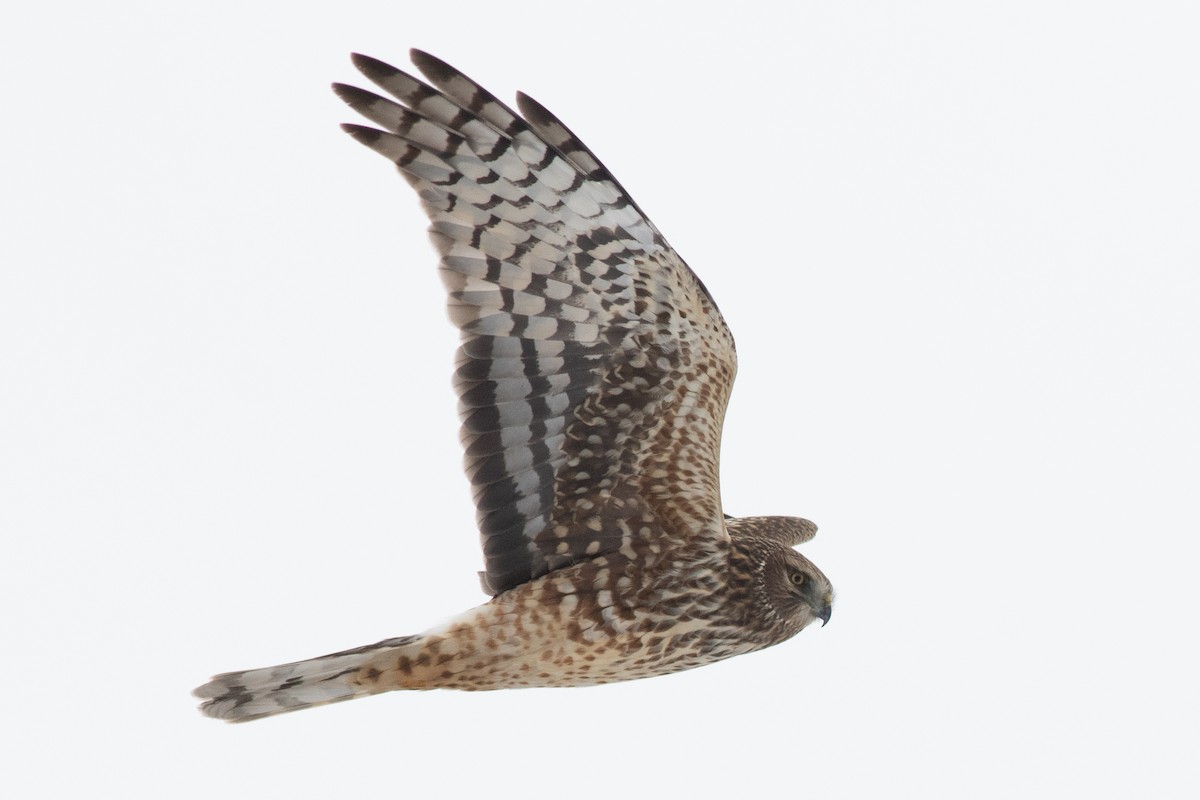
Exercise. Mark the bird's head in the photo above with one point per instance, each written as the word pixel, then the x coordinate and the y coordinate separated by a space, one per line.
pixel 788 588
pixel 797 590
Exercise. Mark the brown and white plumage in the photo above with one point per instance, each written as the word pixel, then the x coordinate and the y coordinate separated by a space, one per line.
pixel 592 377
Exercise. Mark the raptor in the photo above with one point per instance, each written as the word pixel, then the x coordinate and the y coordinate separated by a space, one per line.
pixel 593 377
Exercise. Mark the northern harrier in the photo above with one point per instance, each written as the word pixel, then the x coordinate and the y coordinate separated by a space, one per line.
pixel 593 377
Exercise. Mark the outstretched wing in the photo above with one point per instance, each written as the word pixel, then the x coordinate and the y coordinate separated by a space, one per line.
pixel 594 369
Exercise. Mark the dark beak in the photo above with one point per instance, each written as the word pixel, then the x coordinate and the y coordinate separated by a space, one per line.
pixel 824 614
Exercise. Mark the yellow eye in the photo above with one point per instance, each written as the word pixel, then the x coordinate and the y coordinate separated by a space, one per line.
pixel 797 579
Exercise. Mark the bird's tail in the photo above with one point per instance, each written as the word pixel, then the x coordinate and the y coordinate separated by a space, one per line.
pixel 243 696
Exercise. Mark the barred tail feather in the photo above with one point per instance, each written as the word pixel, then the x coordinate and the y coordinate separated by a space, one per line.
pixel 256 693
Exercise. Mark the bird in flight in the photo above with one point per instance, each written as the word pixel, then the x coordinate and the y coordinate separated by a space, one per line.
pixel 593 377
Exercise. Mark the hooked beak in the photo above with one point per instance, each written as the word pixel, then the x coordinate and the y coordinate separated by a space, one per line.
pixel 824 612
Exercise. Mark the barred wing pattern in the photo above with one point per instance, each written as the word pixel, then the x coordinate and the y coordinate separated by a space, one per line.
pixel 594 368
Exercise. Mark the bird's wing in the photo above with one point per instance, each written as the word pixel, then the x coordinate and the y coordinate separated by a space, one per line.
pixel 594 368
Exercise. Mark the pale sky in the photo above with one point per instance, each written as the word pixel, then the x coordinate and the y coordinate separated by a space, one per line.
pixel 957 245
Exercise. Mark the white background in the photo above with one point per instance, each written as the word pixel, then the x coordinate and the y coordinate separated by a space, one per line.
pixel 957 243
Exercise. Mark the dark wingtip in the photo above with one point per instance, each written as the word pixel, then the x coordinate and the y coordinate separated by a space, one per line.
pixel 361 132
pixel 372 66
pixel 356 98
pixel 433 67
pixel 534 111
